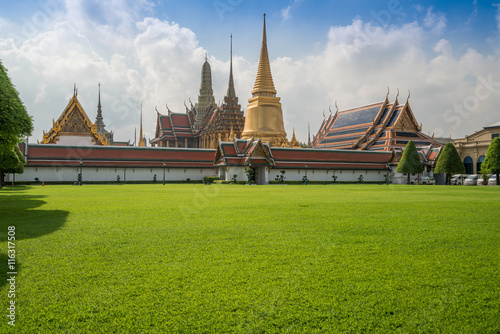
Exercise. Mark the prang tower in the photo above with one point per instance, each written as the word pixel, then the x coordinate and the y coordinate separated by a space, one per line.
pixel 264 117
pixel 206 101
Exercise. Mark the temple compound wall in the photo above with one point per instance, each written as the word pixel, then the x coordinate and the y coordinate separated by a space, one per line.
pixel 58 163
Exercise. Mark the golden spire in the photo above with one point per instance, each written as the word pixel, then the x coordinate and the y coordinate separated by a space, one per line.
pixel 264 81
pixel 264 117
pixel 142 142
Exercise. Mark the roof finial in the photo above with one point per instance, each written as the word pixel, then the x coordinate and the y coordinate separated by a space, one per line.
pixel 141 136
pixel 74 89
pixel 308 134
pixel 397 95
pixel 336 106
pixel 408 96
pixel 206 56
pixel 99 102
pixel 230 88
pixel 387 96
pixel 330 109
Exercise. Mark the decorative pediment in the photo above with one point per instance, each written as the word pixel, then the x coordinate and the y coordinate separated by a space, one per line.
pixel 75 121
pixel 407 121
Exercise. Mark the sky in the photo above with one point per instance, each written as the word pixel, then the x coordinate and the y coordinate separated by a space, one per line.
pixel 443 55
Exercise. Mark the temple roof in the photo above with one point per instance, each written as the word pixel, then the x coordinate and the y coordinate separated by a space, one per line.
pixel 173 126
pixel 378 126
pixel 249 152
pixel 118 156
pixel 243 152
pixel 74 122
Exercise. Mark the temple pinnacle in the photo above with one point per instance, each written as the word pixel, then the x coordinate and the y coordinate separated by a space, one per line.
pixel 230 89
pixel 264 84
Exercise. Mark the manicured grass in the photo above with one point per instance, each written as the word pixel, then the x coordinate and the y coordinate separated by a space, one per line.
pixel 253 259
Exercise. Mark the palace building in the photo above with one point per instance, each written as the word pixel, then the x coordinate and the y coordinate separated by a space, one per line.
pixel 473 148
pixel 381 126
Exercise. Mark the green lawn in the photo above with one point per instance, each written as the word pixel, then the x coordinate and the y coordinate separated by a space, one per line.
pixel 252 259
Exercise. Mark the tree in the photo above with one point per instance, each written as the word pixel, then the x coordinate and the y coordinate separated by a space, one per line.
pixel 449 162
pixel 491 163
pixel 410 161
pixel 21 162
pixel 15 123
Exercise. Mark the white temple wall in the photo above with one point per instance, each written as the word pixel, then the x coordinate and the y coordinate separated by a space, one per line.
pixel 109 174
pixel 230 171
pixel 323 175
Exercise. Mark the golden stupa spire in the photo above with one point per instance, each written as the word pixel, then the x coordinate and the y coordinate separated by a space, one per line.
pixel 264 81
pixel 264 117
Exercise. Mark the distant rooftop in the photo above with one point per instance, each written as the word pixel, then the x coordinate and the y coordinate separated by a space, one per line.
pixel 494 125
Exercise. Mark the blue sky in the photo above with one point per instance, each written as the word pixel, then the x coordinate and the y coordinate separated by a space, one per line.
pixel 149 51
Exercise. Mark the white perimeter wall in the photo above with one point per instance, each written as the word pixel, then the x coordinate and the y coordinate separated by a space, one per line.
pixel 312 174
pixel 326 175
pixel 70 174
pixel 107 174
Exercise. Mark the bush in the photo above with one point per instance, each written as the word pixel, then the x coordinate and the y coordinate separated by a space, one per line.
pixel 410 161
pixel 281 178
pixel 250 174
pixel 491 163
pixel 210 179
pixel 449 162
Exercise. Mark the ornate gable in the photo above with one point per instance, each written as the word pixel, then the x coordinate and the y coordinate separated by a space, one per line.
pixel 73 122
pixel 406 121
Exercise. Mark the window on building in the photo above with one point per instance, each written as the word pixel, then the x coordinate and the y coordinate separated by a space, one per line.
pixel 479 163
pixel 468 165
pixel 495 135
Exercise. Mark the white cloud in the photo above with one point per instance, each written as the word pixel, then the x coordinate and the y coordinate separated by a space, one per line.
pixel 285 13
pixel 154 62
pixel 436 22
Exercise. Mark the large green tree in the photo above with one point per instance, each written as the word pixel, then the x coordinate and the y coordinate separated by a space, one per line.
pixel 410 161
pixel 15 123
pixel 491 163
pixel 449 162
pixel 21 162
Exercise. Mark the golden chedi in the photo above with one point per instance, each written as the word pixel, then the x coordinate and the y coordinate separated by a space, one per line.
pixel 264 117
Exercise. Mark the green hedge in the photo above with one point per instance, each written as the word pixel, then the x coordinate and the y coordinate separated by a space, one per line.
pixel 210 179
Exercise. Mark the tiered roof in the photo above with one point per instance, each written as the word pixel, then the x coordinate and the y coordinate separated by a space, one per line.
pixel 248 152
pixel 243 152
pixel 174 126
pixel 381 126
pixel 428 154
